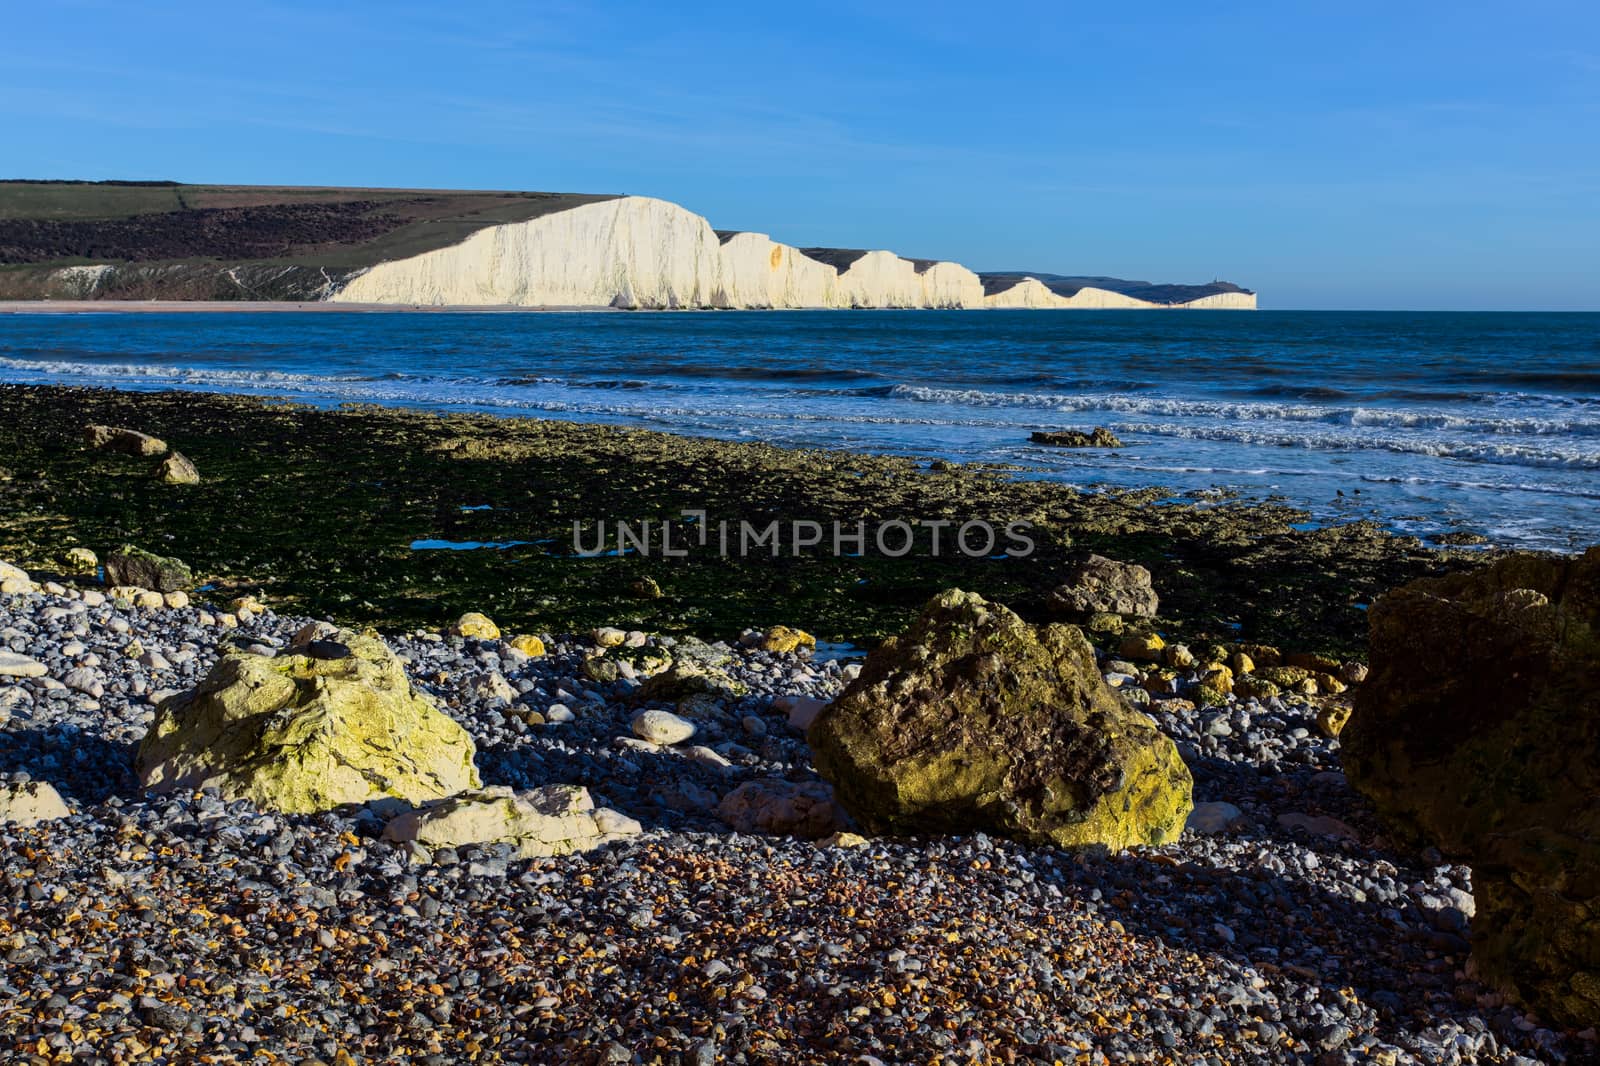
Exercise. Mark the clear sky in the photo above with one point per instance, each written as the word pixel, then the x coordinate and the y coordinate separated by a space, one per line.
pixel 1410 153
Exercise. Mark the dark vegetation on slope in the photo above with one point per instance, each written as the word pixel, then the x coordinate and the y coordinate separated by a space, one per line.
pixel 297 229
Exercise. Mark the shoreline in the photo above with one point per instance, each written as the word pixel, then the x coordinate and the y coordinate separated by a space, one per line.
pixel 113 307
pixel 321 507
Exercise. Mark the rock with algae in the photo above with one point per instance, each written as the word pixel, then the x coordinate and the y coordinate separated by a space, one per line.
pixel 133 566
pixel 330 722
pixel 1478 730
pixel 976 720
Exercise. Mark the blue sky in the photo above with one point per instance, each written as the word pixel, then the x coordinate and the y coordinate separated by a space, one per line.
pixel 1403 154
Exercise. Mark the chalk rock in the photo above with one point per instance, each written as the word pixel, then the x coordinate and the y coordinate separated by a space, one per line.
pixel 783 640
pixel 300 733
pixel 30 803
pixel 13 664
pixel 975 720
pixel 1102 585
pixel 662 727
pixel 553 820
pixel 473 624
pixel 123 441
pixel 178 469
pixel 782 808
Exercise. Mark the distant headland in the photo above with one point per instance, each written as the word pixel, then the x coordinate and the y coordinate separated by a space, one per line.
pixel 128 240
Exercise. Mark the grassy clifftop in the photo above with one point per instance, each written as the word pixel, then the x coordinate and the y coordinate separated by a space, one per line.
pixel 66 222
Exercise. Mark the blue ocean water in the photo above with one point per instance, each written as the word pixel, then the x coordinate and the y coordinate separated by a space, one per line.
pixel 1426 422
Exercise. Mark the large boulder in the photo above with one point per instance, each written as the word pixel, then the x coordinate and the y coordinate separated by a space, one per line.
pixel 1478 730
pixel 329 722
pixel 129 565
pixel 975 720
pixel 554 820
pixel 1105 586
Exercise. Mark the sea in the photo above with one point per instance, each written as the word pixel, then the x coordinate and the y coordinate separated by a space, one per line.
pixel 1428 423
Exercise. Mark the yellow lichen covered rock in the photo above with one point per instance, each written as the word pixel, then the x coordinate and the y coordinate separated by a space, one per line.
pixel 80 561
pixel 554 820
pixel 1332 718
pixel 528 645
pixel 473 624
pixel 1142 648
pixel 975 720
pixel 326 723
pixel 784 640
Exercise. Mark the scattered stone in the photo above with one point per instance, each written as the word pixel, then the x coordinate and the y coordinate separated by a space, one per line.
pixel 610 637
pixel 784 641
pixel 1317 825
pixel 646 588
pixel 133 566
pixel 478 626
pixel 553 820
pixel 530 646
pixel 30 803
pixel 1105 586
pixel 1142 648
pixel 782 808
pixel 1211 818
pixel 494 686
pixel 14 665
pixel 178 469
pixel 80 561
pixel 1099 437
pixel 974 719
pixel 123 441
pixel 662 727
pixel 1331 719
pixel 844 839
pixel 800 711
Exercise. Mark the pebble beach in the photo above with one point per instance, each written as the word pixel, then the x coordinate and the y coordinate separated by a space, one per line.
pixel 1281 927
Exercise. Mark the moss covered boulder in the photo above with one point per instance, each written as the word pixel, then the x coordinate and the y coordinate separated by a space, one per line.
pixel 1478 730
pixel 976 720
pixel 133 566
pixel 326 723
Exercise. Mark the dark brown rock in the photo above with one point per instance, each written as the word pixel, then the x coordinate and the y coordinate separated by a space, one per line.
pixel 1478 730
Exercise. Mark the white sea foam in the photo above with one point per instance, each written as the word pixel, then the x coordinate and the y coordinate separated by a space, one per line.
pixel 1169 407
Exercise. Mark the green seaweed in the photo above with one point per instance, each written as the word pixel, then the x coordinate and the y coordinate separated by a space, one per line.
pixel 316 509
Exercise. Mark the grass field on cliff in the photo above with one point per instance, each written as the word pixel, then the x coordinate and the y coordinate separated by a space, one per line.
pixel 319 508
pixel 70 222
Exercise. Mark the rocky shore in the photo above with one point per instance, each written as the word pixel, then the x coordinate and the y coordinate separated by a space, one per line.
pixel 179 926
pixel 1092 809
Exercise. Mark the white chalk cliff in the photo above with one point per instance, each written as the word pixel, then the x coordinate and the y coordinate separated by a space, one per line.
pixel 639 252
